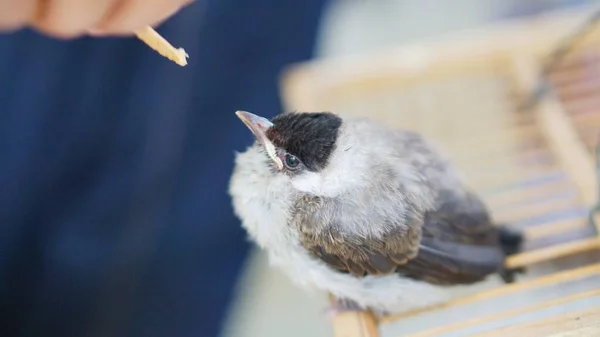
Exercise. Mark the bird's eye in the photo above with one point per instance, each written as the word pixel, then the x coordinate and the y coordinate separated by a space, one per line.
pixel 291 161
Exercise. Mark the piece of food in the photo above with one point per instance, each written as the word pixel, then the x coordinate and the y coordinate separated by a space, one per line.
pixel 155 41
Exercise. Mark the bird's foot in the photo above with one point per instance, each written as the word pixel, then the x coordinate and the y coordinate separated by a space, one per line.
pixel 343 305
pixel 509 275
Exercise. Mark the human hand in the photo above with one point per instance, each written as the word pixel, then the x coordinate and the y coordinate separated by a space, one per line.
pixel 72 18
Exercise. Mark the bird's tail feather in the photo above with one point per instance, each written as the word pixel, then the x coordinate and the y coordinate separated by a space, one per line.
pixel 511 241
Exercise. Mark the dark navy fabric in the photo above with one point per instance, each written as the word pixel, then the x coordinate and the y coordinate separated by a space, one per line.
pixel 114 164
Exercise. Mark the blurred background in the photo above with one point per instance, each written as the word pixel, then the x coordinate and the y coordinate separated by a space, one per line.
pixel 114 164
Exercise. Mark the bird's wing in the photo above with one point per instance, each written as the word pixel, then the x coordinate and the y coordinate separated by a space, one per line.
pixel 456 243
pixel 459 243
pixel 322 231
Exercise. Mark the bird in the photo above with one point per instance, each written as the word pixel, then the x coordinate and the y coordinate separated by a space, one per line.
pixel 374 215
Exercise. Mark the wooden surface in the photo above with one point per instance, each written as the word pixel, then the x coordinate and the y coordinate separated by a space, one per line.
pixel 583 323
pixel 507 314
pixel 556 278
pixel 355 324
pixel 561 133
pixel 576 85
pixel 303 83
pixel 553 252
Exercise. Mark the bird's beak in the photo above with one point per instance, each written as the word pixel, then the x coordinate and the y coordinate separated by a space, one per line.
pixel 259 126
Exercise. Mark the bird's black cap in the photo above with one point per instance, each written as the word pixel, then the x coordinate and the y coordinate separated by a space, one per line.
pixel 309 136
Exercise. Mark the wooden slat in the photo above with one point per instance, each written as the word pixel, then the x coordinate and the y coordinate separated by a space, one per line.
pixel 528 211
pixel 305 83
pixel 354 323
pixel 521 196
pixel 506 314
pixel 552 252
pixel 586 232
pixel 486 182
pixel 476 137
pixel 591 138
pixel 554 228
pixel 581 323
pixel 569 80
pixel 410 73
pixel 562 136
pixel 510 155
pixel 507 169
pixel 589 119
pixel 556 278
pixel 579 89
pixel 581 106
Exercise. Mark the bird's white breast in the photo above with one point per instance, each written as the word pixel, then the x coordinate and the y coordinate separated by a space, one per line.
pixel 263 205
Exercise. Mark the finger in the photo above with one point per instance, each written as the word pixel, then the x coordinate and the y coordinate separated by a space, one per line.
pixel 68 18
pixel 131 15
pixel 15 14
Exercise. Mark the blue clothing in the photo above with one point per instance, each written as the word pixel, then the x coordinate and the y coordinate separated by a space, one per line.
pixel 114 168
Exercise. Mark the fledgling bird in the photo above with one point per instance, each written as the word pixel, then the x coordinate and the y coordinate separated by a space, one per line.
pixel 373 215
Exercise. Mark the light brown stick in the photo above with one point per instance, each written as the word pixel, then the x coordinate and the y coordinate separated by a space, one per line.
pixel 155 41
pixel 354 323
pixel 552 252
